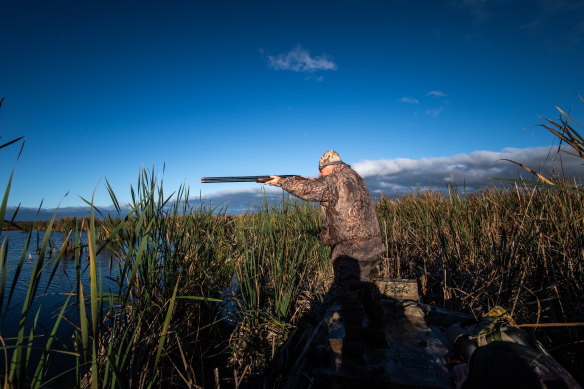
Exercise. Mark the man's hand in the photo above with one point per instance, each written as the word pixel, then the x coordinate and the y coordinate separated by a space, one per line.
pixel 275 181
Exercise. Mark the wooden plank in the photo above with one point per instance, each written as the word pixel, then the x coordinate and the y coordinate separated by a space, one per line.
pixel 398 289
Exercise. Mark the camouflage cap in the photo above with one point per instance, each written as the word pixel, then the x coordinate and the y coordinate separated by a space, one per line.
pixel 330 157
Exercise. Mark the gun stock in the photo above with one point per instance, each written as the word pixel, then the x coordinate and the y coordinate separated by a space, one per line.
pixel 258 179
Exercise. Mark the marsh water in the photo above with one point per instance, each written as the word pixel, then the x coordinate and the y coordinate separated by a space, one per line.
pixel 49 297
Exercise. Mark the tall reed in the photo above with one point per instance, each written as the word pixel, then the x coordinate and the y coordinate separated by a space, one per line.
pixel 174 265
pixel 281 263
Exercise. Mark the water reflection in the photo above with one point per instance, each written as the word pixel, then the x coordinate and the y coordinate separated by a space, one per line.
pixel 55 285
pixel 64 279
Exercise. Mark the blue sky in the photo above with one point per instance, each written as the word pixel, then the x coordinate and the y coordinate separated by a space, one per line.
pixel 100 89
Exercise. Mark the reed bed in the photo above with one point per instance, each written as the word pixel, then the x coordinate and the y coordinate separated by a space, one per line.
pixel 62 224
pixel 204 299
pixel 520 248
pixel 490 248
pixel 165 323
pixel 200 298
pixel 282 267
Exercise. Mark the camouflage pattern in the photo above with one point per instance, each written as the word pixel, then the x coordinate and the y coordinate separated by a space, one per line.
pixel 367 253
pixel 329 157
pixel 350 225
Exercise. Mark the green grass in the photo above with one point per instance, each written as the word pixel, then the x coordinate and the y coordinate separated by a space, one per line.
pixel 172 264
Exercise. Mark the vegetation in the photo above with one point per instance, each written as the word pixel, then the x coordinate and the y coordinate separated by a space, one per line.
pixel 62 224
pixel 203 298
pixel 166 321
pixel 521 249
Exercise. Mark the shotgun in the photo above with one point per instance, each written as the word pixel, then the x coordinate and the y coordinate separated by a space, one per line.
pixel 258 179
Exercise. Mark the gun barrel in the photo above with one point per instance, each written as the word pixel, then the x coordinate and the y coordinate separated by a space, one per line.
pixel 261 179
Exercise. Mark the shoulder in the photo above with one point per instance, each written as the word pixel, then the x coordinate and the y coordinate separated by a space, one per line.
pixel 345 170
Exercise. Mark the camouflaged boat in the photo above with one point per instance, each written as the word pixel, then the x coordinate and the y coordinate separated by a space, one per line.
pixel 421 343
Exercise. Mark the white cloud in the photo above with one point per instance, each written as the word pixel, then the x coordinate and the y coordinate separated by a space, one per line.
pixel 409 100
pixel 434 111
pixel 299 60
pixel 312 76
pixel 436 93
pixel 470 171
pixel 473 170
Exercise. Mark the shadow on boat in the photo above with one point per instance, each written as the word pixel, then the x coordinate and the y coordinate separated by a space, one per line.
pixel 420 347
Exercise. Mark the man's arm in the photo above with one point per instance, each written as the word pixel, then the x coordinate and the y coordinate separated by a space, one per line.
pixel 319 189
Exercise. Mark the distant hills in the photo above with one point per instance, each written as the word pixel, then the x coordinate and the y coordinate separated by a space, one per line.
pixel 231 202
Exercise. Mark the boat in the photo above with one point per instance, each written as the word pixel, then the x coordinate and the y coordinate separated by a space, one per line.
pixel 419 349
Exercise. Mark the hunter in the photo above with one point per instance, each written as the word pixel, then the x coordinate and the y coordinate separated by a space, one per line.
pixel 351 229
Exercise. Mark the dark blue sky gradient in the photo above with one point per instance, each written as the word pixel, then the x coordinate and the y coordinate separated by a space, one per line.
pixel 102 88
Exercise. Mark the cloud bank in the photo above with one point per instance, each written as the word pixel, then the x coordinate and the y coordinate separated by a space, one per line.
pixel 394 177
pixel 299 60
pixel 473 170
pixel 391 177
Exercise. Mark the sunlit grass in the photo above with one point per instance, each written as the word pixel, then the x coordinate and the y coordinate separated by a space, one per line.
pixel 173 264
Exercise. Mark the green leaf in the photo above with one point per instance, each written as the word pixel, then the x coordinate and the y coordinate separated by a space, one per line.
pixel 167 320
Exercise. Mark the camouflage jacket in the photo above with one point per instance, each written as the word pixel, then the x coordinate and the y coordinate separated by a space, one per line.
pixel 349 222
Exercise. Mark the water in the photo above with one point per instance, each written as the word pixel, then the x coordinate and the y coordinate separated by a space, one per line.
pixel 49 298
pixel 228 308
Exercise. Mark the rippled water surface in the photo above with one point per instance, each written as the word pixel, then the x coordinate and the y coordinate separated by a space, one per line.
pixel 50 299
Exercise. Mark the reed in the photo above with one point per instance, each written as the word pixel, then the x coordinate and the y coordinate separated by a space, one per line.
pixel 172 265
pixel 169 273
pixel 281 265
pixel 61 224
pixel 521 247
pixel 472 252
pixel 175 265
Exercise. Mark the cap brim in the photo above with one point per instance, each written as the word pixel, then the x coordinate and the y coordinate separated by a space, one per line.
pixel 329 164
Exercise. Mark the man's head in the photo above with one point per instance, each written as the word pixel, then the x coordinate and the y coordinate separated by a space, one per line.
pixel 328 162
pixel 329 158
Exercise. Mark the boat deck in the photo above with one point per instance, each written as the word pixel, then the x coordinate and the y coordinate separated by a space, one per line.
pixel 416 355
